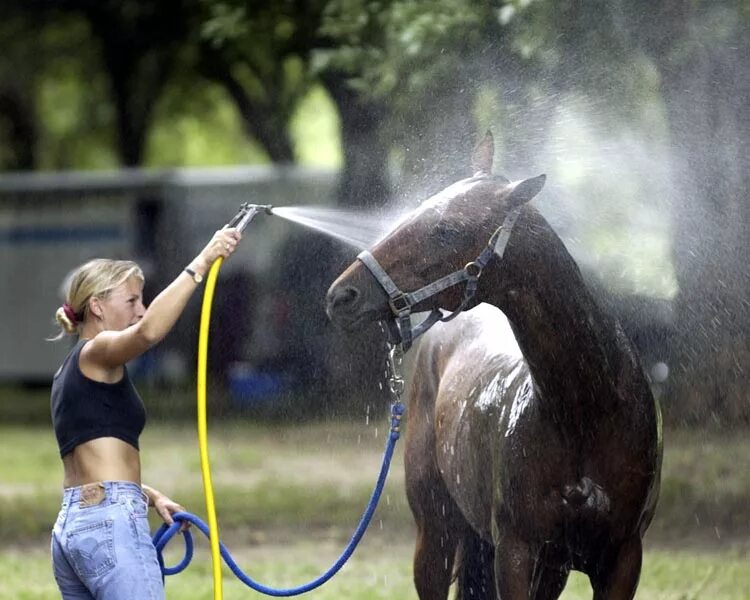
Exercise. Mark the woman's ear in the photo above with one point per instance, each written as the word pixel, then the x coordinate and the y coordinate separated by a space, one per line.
pixel 95 307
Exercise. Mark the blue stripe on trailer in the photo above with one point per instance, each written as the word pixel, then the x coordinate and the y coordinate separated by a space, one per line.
pixel 66 234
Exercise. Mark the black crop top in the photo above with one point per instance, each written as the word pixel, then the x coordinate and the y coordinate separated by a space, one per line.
pixel 84 409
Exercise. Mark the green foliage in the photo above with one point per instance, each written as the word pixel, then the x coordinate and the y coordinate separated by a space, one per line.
pixel 264 47
pixel 77 121
pixel 225 22
pixel 199 128
pixel 315 127
pixel 398 46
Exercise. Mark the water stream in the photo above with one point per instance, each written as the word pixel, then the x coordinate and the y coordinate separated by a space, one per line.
pixel 358 228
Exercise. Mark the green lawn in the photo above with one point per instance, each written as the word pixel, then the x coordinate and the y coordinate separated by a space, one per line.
pixel 289 496
pixel 379 570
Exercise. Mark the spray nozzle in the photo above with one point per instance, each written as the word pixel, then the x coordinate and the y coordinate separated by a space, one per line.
pixel 247 213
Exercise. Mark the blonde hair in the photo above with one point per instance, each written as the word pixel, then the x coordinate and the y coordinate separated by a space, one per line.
pixel 94 279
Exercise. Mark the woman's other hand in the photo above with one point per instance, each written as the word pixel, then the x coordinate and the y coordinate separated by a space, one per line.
pixel 164 506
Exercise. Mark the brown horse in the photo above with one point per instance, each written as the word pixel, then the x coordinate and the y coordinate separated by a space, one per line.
pixel 533 443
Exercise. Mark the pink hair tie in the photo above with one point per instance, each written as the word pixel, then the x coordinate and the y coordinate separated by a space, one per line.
pixel 70 313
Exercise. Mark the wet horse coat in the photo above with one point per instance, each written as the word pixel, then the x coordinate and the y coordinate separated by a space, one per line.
pixel 533 440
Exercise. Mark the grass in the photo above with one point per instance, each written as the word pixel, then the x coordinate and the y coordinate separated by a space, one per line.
pixel 380 570
pixel 289 497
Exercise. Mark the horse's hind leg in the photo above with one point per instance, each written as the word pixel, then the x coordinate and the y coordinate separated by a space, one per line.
pixel 549 583
pixel 475 569
pixel 617 577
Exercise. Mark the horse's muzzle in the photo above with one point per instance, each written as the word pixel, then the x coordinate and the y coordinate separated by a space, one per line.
pixel 341 304
pixel 348 306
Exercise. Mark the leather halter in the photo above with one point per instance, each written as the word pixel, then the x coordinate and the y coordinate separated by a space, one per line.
pixel 402 303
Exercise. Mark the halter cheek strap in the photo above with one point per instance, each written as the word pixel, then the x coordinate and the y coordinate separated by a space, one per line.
pixel 402 303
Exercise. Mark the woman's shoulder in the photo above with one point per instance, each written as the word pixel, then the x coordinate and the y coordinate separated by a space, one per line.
pixel 94 369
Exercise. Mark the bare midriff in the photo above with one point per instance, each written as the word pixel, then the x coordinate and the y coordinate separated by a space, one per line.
pixel 102 459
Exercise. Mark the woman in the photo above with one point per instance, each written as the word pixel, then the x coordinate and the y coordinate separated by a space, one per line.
pixel 101 546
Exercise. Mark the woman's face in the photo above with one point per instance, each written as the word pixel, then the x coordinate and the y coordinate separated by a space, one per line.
pixel 123 307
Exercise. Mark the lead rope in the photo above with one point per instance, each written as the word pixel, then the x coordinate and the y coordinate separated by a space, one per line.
pixel 166 533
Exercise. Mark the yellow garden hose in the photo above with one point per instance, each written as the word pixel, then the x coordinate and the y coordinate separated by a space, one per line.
pixel 247 212
pixel 213 524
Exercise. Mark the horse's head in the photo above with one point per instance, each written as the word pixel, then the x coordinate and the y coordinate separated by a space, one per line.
pixel 441 236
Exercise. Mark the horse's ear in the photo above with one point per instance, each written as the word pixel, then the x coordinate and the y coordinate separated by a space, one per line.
pixel 484 151
pixel 523 191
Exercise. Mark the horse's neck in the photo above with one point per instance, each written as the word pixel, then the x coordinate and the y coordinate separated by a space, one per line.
pixel 576 355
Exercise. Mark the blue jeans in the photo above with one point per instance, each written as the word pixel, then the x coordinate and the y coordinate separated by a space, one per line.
pixel 101 545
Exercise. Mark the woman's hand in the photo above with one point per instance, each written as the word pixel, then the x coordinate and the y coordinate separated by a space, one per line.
pixel 223 243
pixel 164 506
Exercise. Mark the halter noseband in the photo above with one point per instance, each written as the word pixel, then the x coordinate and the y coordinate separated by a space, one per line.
pixel 402 303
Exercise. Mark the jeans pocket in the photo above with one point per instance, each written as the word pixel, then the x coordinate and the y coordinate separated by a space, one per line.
pixel 91 549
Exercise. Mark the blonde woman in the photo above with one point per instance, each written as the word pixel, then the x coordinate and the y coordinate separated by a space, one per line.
pixel 101 546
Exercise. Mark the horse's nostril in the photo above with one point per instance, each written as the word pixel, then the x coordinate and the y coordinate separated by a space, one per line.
pixel 344 297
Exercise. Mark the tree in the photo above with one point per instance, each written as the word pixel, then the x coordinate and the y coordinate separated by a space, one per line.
pixel 18 123
pixel 139 43
pixel 700 51
pixel 259 52
pixel 413 65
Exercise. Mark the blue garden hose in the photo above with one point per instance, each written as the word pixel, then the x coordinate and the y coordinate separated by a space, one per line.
pixel 166 533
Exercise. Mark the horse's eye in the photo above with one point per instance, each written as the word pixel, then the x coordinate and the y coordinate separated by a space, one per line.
pixel 446 232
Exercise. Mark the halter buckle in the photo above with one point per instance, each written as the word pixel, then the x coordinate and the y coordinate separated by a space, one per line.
pixel 400 304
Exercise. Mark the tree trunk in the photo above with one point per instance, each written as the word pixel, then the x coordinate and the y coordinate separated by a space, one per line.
pixel 17 111
pixel 263 121
pixel 364 175
pixel 355 362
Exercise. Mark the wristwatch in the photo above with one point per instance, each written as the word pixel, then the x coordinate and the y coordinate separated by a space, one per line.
pixel 197 277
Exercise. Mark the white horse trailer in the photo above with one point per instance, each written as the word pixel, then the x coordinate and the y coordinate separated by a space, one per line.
pixel 50 223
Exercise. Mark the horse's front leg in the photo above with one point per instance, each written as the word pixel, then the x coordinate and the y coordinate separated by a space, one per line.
pixel 618 574
pixel 436 515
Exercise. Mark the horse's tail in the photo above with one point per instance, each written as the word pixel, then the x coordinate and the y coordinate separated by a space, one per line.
pixel 474 568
